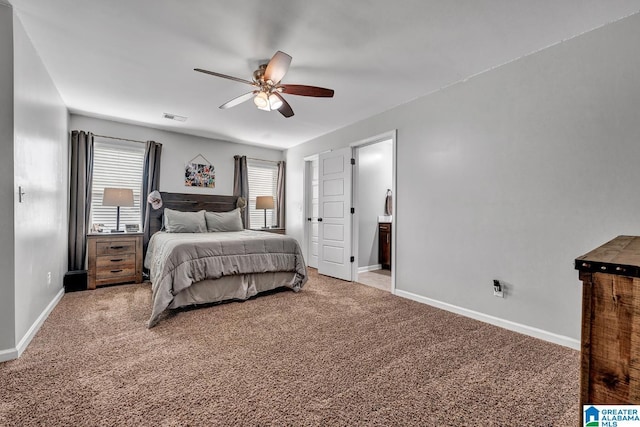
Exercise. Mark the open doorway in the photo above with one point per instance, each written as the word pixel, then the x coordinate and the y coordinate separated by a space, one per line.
pixel 373 200
pixel 347 232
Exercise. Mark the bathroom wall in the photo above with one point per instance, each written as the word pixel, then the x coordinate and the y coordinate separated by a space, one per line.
pixel 375 176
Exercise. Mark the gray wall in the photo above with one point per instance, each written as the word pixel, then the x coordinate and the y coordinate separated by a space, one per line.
pixel 41 168
pixel 511 175
pixel 178 149
pixel 34 155
pixel 375 176
pixel 7 282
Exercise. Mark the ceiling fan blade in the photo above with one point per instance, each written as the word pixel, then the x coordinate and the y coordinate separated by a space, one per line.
pixel 239 100
pixel 304 90
pixel 285 109
pixel 277 67
pixel 224 76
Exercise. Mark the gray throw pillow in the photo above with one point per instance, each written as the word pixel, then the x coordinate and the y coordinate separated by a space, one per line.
pixel 224 221
pixel 184 222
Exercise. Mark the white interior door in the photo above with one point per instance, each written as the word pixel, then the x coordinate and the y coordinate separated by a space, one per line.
pixel 312 211
pixel 334 221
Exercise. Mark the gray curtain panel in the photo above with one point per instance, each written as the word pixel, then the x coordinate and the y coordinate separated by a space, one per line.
pixel 241 184
pixel 81 166
pixel 150 182
pixel 280 196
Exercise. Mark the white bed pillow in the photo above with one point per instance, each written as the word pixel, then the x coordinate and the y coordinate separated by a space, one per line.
pixel 224 221
pixel 184 222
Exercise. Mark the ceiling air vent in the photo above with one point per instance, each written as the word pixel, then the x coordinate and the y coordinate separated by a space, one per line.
pixel 174 117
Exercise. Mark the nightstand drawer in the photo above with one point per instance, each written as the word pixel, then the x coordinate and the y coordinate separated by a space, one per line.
pixel 115 261
pixel 120 246
pixel 115 272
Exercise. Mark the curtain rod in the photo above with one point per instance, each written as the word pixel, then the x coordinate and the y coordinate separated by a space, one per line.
pixel 263 160
pixel 119 139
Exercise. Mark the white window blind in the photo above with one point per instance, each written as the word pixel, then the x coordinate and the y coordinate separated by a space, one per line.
pixel 263 181
pixel 116 164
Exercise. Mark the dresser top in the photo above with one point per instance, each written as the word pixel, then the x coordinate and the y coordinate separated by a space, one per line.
pixel 623 251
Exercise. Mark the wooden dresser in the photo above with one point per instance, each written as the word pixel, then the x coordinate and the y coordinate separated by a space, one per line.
pixel 610 350
pixel 384 245
pixel 114 258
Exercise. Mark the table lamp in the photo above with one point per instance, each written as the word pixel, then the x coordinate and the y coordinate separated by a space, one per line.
pixel 117 197
pixel 264 202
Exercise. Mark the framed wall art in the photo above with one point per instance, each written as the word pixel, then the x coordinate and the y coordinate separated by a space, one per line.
pixel 199 172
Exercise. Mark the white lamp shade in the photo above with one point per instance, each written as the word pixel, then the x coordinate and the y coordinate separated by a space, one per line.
pixel 261 100
pixel 274 101
pixel 264 202
pixel 117 197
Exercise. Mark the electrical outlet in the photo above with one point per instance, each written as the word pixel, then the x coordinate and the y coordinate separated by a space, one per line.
pixel 498 289
pixel 48 278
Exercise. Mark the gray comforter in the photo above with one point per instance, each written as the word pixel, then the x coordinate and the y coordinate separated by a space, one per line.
pixel 177 260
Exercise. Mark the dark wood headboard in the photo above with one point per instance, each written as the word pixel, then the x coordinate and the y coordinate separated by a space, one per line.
pixel 189 203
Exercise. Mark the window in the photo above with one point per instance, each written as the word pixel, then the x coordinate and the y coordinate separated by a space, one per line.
pixel 263 181
pixel 116 164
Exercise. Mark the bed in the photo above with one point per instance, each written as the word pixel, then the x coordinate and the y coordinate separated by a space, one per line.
pixel 205 267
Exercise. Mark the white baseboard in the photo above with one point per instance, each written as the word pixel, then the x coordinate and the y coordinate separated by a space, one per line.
pixel 24 342
pixel 369 268
pixel 506 324
pixel 9 354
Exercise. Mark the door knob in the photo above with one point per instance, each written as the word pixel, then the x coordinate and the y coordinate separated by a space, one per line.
pixel 319 219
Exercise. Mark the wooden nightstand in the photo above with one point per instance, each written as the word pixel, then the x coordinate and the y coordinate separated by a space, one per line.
pixel 114 258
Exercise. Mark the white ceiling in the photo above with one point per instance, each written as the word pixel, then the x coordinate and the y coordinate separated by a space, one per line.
pixel 132 60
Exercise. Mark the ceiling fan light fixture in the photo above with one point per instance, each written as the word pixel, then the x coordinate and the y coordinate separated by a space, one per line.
pixel 261 100
pixel 274 101
pixel 266 88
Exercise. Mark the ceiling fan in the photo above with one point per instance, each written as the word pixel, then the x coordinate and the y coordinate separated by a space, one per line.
pixel 268 89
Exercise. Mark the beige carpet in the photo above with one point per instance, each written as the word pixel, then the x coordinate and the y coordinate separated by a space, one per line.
pixel 334 354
